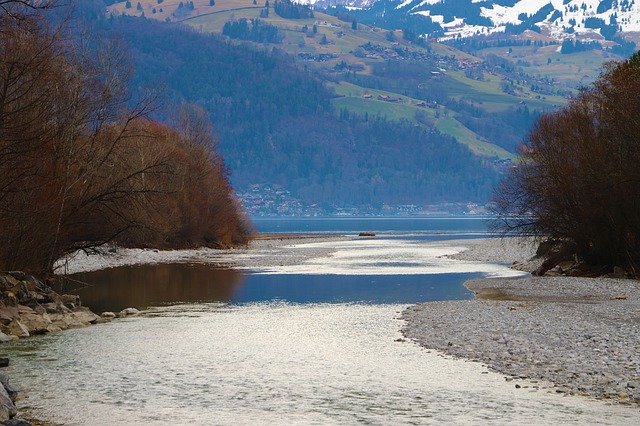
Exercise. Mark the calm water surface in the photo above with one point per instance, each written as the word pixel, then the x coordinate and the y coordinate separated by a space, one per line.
pixel 426 226
pixel 223 347
pixel 157 285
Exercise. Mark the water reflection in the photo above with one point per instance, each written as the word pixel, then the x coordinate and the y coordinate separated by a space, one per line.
pixel 165 284
pixel 153 285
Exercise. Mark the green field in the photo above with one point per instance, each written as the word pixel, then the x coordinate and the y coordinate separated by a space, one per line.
pixel 351 97
pixel 573 71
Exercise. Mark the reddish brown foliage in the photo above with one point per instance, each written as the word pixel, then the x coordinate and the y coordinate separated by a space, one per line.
pixel 578 179
pixel 78 168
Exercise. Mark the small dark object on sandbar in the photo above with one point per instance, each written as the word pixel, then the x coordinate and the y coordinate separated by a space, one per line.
pixel 367 234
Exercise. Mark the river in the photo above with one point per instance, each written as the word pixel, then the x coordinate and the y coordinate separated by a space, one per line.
pixel 220 346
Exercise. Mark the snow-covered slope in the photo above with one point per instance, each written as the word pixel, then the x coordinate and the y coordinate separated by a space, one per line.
pixel 559 19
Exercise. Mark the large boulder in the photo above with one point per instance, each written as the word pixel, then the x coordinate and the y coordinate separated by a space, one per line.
pixel 55 308
pixel 71 301
pixel 18 329
pixel 5 319
pixel 85 316
pixel 78 318
pixel 35 323
pixel 64 321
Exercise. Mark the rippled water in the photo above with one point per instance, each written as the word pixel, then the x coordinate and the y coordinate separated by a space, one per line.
pixel 288 348
pixel 272 363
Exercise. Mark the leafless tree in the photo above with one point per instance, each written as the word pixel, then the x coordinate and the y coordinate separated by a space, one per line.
pixel 578 177
pixel 79 166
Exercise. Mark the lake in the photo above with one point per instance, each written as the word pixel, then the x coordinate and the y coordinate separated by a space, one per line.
pixel 426 227
pixel 313 342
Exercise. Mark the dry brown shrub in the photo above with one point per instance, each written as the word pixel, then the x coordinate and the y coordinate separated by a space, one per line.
pixel 578 177
pixel 78 168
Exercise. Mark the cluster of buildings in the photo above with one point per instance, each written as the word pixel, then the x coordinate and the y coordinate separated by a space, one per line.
pixel 274 200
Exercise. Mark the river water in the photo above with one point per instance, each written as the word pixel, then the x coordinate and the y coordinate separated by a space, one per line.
pixel 265 348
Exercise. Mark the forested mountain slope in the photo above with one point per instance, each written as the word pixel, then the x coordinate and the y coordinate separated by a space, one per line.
pixel 277 126
pixel 325 105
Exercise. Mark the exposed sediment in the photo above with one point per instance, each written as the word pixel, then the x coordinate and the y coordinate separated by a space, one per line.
pixel 581 334
pixel 262 252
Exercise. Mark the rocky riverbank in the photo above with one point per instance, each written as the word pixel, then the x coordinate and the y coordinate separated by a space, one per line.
pixel 8 397
pixel 28 307
pixel 581 334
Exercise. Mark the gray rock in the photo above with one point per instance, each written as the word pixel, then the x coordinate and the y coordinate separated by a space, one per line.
pixel 4 338
pixel 128 312
pixel 35 324
pixel 7 407
pixel 5 319
pixel 11 391
pixel 71 300
pixel 85 316
pixel 108 315
pixel 18 329
pixel 53 328
pixel 52 308
pixel 554 272
pixel 22 309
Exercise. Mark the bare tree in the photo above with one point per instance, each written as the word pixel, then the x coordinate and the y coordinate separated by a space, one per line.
pixel 578 178
pixel 18 8
pixel 80 167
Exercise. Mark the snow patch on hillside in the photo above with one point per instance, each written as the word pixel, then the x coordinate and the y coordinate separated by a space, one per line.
pixel 568 19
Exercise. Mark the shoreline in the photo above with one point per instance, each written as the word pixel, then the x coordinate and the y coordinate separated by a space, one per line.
pixel 562 332
pixel 580 334
pixel 270 249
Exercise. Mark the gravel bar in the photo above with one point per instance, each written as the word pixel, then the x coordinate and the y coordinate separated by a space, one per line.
pixel 581 334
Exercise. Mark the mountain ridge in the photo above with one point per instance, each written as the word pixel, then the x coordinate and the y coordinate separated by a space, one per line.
pixel 590 20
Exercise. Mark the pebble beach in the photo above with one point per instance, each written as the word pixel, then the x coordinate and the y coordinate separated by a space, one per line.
pixel 581 335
